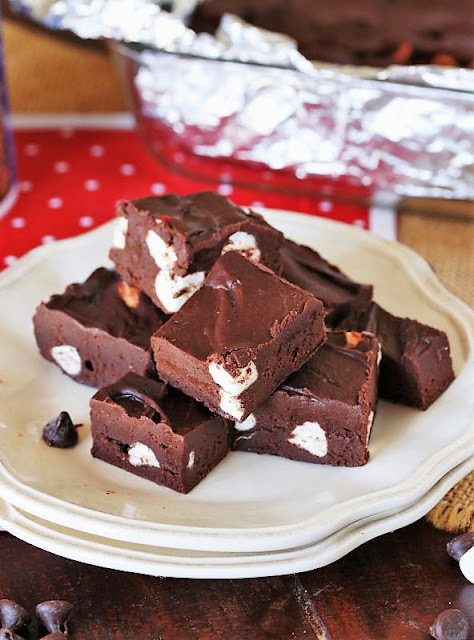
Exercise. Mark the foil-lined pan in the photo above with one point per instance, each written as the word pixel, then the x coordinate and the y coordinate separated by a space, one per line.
pixel 247 95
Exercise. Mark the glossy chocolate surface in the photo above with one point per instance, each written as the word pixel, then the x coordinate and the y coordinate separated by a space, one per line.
pixel 339 369
pixel 197 216
pixel 238 337
pixel 172 237
pixel 156 400
pixel 416 363
pixel 239 308
pixel 324 412
pixel 98 303
pixel 99 330
pixel 152 430
pixel 310 271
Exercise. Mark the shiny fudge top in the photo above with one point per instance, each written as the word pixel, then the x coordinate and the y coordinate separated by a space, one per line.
pixel 160 402
pixel 239 308
pixel 398 336
pixel 238 337
pixel 307 269
pixel 339 370
pixel 374 32
pixel 416 361
pixel 166 245
pixel 197 216
pixel 106 302
pixel 195 223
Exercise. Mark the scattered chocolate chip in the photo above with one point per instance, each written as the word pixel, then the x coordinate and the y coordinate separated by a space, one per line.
pixel 12 615
pixel 56 635
pixel 7 633
pixel 458 546
pixel 54 614
pixel 61 432
pixel 451 624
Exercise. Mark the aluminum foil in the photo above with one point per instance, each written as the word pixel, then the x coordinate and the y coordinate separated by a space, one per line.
pixel 248 95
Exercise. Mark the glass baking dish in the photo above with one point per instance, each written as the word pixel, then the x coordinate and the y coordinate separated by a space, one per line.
pixel 329 131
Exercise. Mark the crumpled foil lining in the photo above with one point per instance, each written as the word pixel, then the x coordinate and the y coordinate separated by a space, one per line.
pixel 249 95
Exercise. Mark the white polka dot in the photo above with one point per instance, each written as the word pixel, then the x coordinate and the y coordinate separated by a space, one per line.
pixel 86 221
pixel 178 157
pixel 225 177
pixel 26 185
pixel 127 169
pixel 9 260
pixel 97 150
pixel 18 223
pixel 61 166
pixel 158 188
pixel 67 132
pixel 55 203
pixel 47 239
pixel 359 223
pixel 91 185
pixel 301 173
pixel 257 203
pixel 31 149
pixel 325 206
pixel 366 181
pixel 225 189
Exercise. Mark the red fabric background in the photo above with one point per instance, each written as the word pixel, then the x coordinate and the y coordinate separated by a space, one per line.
pixel 70 180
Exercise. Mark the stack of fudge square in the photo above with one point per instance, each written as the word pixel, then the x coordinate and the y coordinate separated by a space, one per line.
pixel 214 333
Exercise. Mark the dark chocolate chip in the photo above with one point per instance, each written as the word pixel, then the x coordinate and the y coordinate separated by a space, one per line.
pixel 61 432
pixel 451 624
pixel 458 546
pixel 54 614
pixel 12 615
pixel 150 408
pixel 7 633
pixel 56 635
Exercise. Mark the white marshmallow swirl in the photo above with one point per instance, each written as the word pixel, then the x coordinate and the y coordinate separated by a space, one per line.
pixel 139 455
pixel 311 437
pixel 233 386
pixel 163 254
pixel 173 290
pixel 247 424
pixel 120 232
pixel 68 358
pixel 245 243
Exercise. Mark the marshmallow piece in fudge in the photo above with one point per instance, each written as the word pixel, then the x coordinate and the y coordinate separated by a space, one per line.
pixel 165 245
pixel 416 362
pixel 156 432
pixel 238 337
pixel 310 271
pixel 97 331
pixel 324 412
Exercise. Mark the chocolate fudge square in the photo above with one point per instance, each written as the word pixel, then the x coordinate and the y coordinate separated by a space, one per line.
pixel 416 362
pixel 154 431
pixel 310 271
pixel 166 245
pixel 99 330
pixel 324 412
pixel 238 337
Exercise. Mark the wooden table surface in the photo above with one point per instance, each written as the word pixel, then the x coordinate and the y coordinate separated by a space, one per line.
pixel 390 588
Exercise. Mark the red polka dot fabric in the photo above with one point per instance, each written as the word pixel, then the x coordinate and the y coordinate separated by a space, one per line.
pixel 71 178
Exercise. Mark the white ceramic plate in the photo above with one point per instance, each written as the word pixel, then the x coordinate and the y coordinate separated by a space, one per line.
pixel 249 503
pixel 176 563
